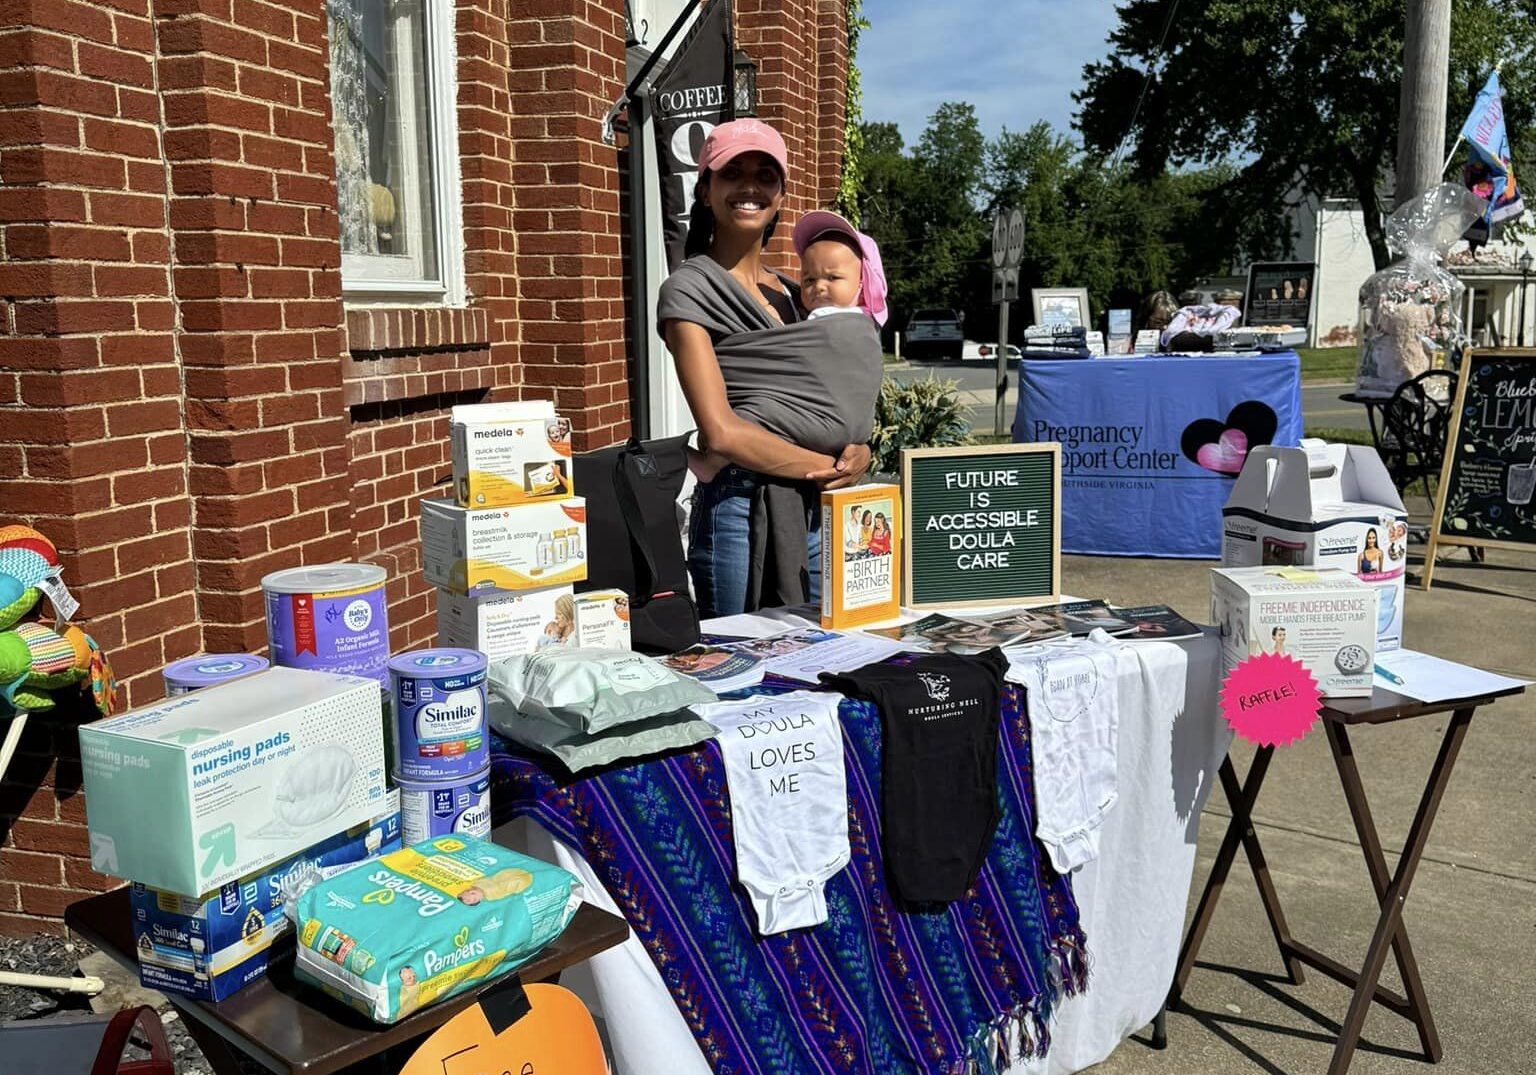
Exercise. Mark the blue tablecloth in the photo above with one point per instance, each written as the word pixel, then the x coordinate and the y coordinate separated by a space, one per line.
pixel 1150 445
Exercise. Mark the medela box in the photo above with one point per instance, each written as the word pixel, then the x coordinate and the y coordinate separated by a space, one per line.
pixel 510 453
pixel 1325 619
pixel 601 620
pixel 209 946
pixel 505 625
pixel 206 787
pixel 473 551
pixel 1325 506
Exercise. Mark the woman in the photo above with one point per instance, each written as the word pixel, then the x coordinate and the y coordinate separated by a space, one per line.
pixel 755 540
pixel 880 537
pixel 1158 311
pixel 1370 556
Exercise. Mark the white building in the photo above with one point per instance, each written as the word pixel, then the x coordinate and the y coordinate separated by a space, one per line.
pixel 1331 233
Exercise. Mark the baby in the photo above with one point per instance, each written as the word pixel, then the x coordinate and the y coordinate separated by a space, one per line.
pixel 840 273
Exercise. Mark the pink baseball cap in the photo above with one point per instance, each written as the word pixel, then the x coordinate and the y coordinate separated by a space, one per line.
pixel 872 286
pixel 730 140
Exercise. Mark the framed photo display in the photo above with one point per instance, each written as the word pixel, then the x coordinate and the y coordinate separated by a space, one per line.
pixel 1060 306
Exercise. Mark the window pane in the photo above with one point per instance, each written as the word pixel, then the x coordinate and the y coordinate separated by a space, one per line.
pixel 379 93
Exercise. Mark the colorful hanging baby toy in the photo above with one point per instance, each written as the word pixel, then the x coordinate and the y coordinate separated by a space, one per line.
pixel 42 664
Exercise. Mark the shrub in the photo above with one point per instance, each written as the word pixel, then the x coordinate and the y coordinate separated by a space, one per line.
pixel 923 414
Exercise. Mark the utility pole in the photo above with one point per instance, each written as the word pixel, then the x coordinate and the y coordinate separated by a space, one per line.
pixel 1421 115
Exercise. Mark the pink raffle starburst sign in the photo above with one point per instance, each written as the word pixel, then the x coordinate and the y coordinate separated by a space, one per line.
pixel 1270 699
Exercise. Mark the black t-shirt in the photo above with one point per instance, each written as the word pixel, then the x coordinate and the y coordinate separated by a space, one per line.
pixel 939 771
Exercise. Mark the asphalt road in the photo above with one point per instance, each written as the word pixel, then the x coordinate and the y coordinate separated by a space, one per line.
pixel 1320 403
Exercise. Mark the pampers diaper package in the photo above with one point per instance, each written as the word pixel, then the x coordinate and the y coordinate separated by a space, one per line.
pixel 1322 505
pixel 209 946
pixel 510 453
pixel 204 788
pixel 1325 619
pixel 519 548
pixel 428 922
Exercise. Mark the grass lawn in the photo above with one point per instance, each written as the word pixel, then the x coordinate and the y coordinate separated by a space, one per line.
pixel 1335 435
pixel 1323 365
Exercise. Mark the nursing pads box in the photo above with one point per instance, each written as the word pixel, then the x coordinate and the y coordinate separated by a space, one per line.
pixel 206 787
pixel 1325 619
pixel 209 946
pixel 601 620
pixel 1326 506
pixel 510 453
pixel 505 625
pixel 483 551
pixel 428 922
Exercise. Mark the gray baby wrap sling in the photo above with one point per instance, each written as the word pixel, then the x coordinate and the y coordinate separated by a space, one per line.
pixel 813 383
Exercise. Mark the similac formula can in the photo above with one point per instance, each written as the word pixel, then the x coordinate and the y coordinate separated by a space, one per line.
pixel 195 673
pixel 439 726
pixel 460 807
pixel 330 618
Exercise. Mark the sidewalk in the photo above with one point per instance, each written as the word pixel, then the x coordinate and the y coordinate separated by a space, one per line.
pixel 1472 910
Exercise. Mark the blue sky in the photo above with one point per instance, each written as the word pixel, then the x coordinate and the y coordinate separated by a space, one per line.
pixel 1017 61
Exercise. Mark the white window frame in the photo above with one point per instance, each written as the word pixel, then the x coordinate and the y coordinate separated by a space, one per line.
pixel 384 278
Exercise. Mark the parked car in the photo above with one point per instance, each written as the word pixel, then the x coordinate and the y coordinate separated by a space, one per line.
pixel 986 352
pixel 934 334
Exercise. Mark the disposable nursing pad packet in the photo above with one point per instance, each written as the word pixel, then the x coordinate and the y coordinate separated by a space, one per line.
pixel 428 922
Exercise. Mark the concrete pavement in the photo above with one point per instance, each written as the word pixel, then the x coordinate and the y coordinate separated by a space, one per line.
pixel 1472 911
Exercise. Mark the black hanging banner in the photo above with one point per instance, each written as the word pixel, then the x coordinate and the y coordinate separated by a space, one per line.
pixel 691 97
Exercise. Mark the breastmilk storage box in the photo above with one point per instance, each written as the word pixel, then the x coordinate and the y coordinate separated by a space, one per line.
pixel 475 551
pixel 510 453
pixel 206 787
pixel 504 625
pixel 602 620
pixel 1326 506
pixel 1325 619
pixel 211 945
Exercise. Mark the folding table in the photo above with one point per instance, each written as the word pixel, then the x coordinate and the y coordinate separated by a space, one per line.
pixel 1391 886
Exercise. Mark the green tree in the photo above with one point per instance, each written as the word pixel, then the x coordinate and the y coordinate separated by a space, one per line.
pixel 1298 97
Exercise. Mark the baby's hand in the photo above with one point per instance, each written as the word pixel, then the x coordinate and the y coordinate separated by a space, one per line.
pixel 705 465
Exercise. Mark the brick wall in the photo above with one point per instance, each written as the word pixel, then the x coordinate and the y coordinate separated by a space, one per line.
pixel 188 402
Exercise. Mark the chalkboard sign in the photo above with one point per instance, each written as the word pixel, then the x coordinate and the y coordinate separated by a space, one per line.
pixel 1487 494
pixel 983 525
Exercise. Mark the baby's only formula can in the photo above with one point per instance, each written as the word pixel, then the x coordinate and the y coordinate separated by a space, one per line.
pixel 439 725
pixel 195 673
pixel 330 618
pixel 459 807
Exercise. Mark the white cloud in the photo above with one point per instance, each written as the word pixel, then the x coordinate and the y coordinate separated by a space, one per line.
pixel 1017 61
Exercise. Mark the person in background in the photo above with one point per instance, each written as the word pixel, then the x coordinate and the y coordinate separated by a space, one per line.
pixel 1158 310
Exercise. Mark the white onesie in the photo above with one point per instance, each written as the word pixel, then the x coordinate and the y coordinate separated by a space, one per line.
pixel 789 801
pixel 1073 696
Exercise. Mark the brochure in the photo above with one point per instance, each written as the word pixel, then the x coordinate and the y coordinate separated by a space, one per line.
pixel 1157 621
pixel 938 633
pixel 804 653
pixel 721 670
pixel 1078 618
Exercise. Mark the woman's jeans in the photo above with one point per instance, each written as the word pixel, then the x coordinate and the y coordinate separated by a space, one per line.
pixel 720 546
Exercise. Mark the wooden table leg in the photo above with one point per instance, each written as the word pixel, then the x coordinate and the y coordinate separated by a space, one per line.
pixel 1381 878
pixel 1396 894
pixel 221 1056
pixel 1266 885
pixel 1241 798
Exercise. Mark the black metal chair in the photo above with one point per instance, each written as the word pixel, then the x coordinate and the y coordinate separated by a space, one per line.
pixel 1417 420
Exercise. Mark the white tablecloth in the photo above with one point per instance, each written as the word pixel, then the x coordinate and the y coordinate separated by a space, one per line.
pixel 1132 899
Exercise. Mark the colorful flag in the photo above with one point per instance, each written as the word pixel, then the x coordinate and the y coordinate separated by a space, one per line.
pixel 1490 174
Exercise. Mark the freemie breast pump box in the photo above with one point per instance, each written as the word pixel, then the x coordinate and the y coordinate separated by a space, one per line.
pixel 211 945
pixel 1324 506
pixel 205 787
